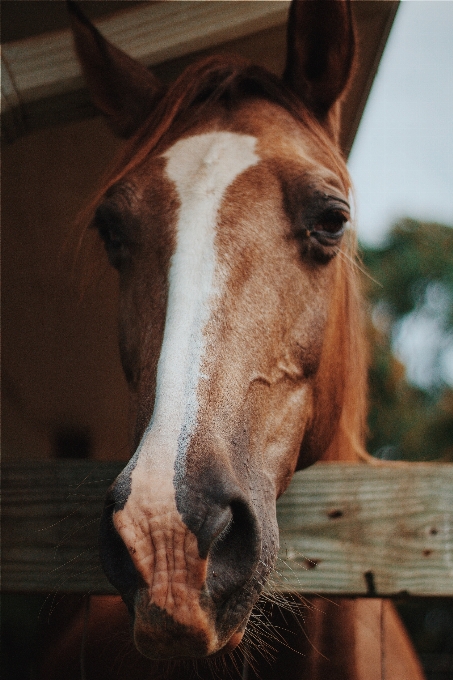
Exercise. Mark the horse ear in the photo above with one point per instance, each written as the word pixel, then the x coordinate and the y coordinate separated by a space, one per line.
pixel 121 88
pixel 320 52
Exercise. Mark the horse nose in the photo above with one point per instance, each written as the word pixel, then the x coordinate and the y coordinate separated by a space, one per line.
pixel 115 558
pixel 234 554
pixel 217 513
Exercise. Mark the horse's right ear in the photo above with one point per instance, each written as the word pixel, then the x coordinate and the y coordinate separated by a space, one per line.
pixel 320 53
pixel 121 88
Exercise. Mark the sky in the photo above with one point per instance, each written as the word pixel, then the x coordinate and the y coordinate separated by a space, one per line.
pixel 402 159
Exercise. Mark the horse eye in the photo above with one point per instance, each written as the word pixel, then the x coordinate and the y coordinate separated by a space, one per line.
pixel 111 238
pixel 333 223
pixel 329 227
pixel 115 246
pixel 110 231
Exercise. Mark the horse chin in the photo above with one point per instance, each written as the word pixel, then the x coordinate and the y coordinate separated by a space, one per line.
pixel 158 636
pixel 186 648
pixel 159 646
pixel 232 643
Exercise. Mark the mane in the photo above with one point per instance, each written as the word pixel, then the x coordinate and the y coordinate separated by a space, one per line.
pixel 345 357
pixel 338 426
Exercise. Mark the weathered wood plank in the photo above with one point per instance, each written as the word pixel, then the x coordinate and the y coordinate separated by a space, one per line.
pixel 45 67
pixel 50 521
pixel 344 529
pixel 42 83
pixel 358 529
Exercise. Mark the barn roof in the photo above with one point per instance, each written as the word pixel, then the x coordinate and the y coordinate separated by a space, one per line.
pixel 42 83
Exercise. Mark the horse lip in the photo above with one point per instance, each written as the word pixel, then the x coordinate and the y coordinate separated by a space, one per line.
pixel 157 635
pixel 160 637
pixel 232 643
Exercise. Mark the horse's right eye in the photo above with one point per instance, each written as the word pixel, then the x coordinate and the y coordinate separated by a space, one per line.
pixel 109 226
pixel 113 245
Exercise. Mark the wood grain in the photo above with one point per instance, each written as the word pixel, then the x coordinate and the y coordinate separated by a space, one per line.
pixel 345 529
pixel 44 68
pixel 355 529
pixel 42 83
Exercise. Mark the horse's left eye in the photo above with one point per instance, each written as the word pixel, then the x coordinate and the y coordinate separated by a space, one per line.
pixel 329 227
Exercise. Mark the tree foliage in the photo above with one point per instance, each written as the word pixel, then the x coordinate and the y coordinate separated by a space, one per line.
pixel 410 294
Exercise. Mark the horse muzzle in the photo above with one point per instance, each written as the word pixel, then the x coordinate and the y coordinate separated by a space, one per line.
pixel 187 563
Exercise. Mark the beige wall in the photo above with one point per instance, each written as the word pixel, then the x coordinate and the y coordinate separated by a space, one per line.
pixel 60 360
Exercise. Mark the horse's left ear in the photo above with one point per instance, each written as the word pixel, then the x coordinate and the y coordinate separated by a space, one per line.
pixel 320 54
pixel 121 88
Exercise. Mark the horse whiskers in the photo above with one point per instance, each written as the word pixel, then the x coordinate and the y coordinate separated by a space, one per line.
pixel 254 635
pixel 289 603
pixel 254 632
pixel 73 531
pixel 266 651
pixel 53 603
pixel 273 631
pixel 352 260
pixel 293 605
pixel 241 660
pixel 261 626
pixel 277 586
pixel 219 667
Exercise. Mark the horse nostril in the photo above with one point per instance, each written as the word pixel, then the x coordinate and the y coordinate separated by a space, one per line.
pixel 215 524
pixel 217 510
pixel 234 551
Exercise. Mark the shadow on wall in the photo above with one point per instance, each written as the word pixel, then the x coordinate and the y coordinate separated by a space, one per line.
pixel 65 393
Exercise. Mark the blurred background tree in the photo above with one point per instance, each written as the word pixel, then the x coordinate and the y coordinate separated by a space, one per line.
pixel 410 329
pixel 410 297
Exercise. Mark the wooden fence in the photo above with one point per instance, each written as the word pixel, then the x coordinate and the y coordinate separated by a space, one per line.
pixel 345 529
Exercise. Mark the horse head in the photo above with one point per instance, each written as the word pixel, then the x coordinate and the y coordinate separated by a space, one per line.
pixel 227 220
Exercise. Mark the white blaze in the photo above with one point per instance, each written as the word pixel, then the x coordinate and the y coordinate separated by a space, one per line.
pixel 202 167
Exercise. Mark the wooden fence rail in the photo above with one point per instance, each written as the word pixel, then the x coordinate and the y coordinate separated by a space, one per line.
pixel 345 529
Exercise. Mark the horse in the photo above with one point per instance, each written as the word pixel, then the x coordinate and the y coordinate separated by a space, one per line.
pixel 227 219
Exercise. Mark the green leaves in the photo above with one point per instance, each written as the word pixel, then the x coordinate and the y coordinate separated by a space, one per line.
pixel 413 284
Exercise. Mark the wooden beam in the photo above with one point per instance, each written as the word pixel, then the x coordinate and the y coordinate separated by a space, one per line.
pixel 44 68
pixel 344 529
pixel 356 529
pixel 42 84
pixel 373 20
